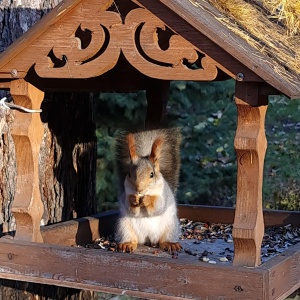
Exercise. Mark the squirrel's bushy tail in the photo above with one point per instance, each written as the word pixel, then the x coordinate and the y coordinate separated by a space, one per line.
pixel 169 161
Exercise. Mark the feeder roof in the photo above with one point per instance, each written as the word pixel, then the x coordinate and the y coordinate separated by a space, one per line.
pixel 163 39
pixel 262 34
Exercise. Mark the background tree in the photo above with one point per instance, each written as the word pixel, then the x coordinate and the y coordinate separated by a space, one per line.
pixel 67 156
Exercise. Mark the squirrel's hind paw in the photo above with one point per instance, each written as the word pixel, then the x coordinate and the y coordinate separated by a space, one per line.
pixel 170 247
pixel 127 247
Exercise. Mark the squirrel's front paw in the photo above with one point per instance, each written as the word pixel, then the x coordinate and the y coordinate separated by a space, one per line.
pixel 170 247
pixel 127 247
pixel 148 201
pixel 134 200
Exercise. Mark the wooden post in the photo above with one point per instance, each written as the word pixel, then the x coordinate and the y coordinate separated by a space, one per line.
pixel 250 144
pixel 27 131
pixel 157 94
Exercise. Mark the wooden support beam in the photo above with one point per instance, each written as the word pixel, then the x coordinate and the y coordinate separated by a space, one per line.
pixel 27 131
pixel 250 144
pixel 157 94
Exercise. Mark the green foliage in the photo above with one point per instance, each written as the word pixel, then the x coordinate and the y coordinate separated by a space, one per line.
pixel 282 167
pixel 105 187
pixel 113 112
pixel 207 115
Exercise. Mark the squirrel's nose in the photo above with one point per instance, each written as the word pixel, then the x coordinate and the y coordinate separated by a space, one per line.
pixel 139 189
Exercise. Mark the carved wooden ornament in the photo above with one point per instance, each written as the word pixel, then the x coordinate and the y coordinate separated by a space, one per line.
pixel 89 39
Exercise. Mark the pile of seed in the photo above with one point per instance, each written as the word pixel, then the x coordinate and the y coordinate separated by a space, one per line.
pixel 276 240
pixel 213 243
pixel 210 243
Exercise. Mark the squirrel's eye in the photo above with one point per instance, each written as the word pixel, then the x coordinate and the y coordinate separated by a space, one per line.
pixel 151 175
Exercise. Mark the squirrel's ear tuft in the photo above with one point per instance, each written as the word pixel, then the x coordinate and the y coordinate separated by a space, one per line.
pixel 132 147
pixel 156 150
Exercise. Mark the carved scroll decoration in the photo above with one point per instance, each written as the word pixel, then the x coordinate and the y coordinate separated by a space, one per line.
pixel 89 48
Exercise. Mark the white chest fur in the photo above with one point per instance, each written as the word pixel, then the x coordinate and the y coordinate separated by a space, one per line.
pixel 163 225
pixel 157 227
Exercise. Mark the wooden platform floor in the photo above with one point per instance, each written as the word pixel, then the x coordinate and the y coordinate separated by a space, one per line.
pixel 150 273
pixel 217 251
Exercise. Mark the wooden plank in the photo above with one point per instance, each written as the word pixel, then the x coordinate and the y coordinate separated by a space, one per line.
pixel 80 231
pixel 83 230
pixel 281 218
pixel 76 232
pixel 284 273
pixel 225 215
pixel 150 277
pixel 210 214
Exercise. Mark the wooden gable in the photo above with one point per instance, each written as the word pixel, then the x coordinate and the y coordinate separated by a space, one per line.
pixel 114 45
pixel 119 45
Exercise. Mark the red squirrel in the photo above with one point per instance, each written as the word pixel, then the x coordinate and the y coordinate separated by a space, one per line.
pixel 150 165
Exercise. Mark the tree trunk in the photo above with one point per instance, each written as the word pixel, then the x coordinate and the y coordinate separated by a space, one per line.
pixel 68 153
pixel 67 156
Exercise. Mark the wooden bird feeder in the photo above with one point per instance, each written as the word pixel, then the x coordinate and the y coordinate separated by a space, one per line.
pixel 126 45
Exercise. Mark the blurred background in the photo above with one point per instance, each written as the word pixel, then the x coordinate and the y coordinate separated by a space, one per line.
pixel 206 114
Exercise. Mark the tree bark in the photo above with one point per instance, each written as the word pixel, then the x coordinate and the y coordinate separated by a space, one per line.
pixel 68 153
pixel 7 171
pixel 67 157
